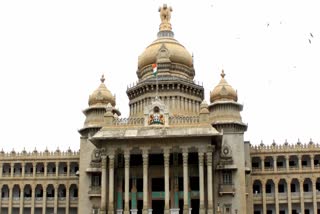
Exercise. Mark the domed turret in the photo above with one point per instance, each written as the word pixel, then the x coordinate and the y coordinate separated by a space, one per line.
pixel 102 96
pixel 223 91
pixel 224 108
pixel 171 57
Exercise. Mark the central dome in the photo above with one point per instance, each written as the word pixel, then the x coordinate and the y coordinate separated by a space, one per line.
pixel 177 52
pixel 172 58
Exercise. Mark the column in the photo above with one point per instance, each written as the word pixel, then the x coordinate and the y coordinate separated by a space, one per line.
pixel 34 165
pixel 103 183
pixel 201 182
pixel 166 156
pixel 301 195
pixel 126 180
pixel 312 161
pixel 276 196
pixel 56 188
pixel 44 200
pixel 145 157
pixel 23 165
pixel 45 169
pixel 111 183
pixel 264 199
pixel 289 196
pixel 57 169
pixel 275 164
pixel 185 181
pixel 12 169
pixel 173 104
pixel 314 196
pixel 10 188
pixel 300 162
pixel 262 164
pixel 33 198
pixel 67 199
pixel 1 173
pixel 209 182
pixel 21 201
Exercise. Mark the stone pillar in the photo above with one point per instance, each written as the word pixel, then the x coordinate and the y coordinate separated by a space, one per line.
pixel 1 172
pixel 312 161
pixel 23 165
pixel 275 164
pixel 201 183
pixel 166 156
pixel 57 169
pixel 21 200
pixel 185 181
pixel 276 196
pixel 111 183
pixel 11 169
pixel 33 198
pixel 173 104
pixel 289 196
pixel 10 188
pixel 34 165
pixel 45 169
pixel 209 182
pixel 145 157
pixel 301 195
pixel 262 164
pixel 314 195
pixel 67 199
pixel 44 200
pixel 300 162
pixel 56 189
pixel 264 198
pixel 103 183
pixel 126 180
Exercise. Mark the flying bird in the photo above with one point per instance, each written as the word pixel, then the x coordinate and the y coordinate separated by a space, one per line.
pixel 310 41
pixel 311 35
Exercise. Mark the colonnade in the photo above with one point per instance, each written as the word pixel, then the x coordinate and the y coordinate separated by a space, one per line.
pixel 109 156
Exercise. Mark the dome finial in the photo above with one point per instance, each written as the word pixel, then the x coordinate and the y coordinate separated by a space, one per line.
pixel 165 16
pixel 222 74
pixel 102 79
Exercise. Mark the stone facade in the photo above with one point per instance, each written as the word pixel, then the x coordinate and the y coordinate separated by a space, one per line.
pixel 173 154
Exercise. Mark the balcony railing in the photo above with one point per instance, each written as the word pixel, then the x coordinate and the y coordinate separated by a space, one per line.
pixel 225 189
pixel 95 190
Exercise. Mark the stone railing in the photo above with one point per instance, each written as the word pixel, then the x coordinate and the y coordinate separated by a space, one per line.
pixel 71 154
pixel 134 121
pixel 183 120
pixel 285 147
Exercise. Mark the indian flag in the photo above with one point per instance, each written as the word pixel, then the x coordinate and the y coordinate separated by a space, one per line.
pixel 155 70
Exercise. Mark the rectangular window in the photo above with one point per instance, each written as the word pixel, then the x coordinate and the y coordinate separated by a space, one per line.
pixel 227 177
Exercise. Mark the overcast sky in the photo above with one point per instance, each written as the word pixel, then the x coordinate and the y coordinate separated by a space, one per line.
pixel 53 53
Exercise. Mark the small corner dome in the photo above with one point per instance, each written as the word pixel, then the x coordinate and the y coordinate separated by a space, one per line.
pixel 223 91
pixel 102 95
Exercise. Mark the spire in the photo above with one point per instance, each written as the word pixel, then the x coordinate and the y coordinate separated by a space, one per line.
pixel 165 16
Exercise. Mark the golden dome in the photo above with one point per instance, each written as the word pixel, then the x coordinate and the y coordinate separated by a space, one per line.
pixel 102 96
pixel 177 52
pixel 165 48
pixel 223 91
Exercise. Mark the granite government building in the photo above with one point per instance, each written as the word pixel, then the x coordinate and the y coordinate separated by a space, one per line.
pixel 175 153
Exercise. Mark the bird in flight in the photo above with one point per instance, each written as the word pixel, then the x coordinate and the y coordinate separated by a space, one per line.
pixel 311 35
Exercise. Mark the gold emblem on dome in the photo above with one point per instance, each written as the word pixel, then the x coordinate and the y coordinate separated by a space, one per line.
pixel 165 16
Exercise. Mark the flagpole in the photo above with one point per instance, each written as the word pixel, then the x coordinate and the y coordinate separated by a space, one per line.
pixel 156 86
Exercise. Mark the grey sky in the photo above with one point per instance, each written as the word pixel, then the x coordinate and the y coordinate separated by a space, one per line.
pixel 52 54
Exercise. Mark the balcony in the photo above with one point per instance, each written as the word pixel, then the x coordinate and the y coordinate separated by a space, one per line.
pixel 227 189
pixel 95 191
